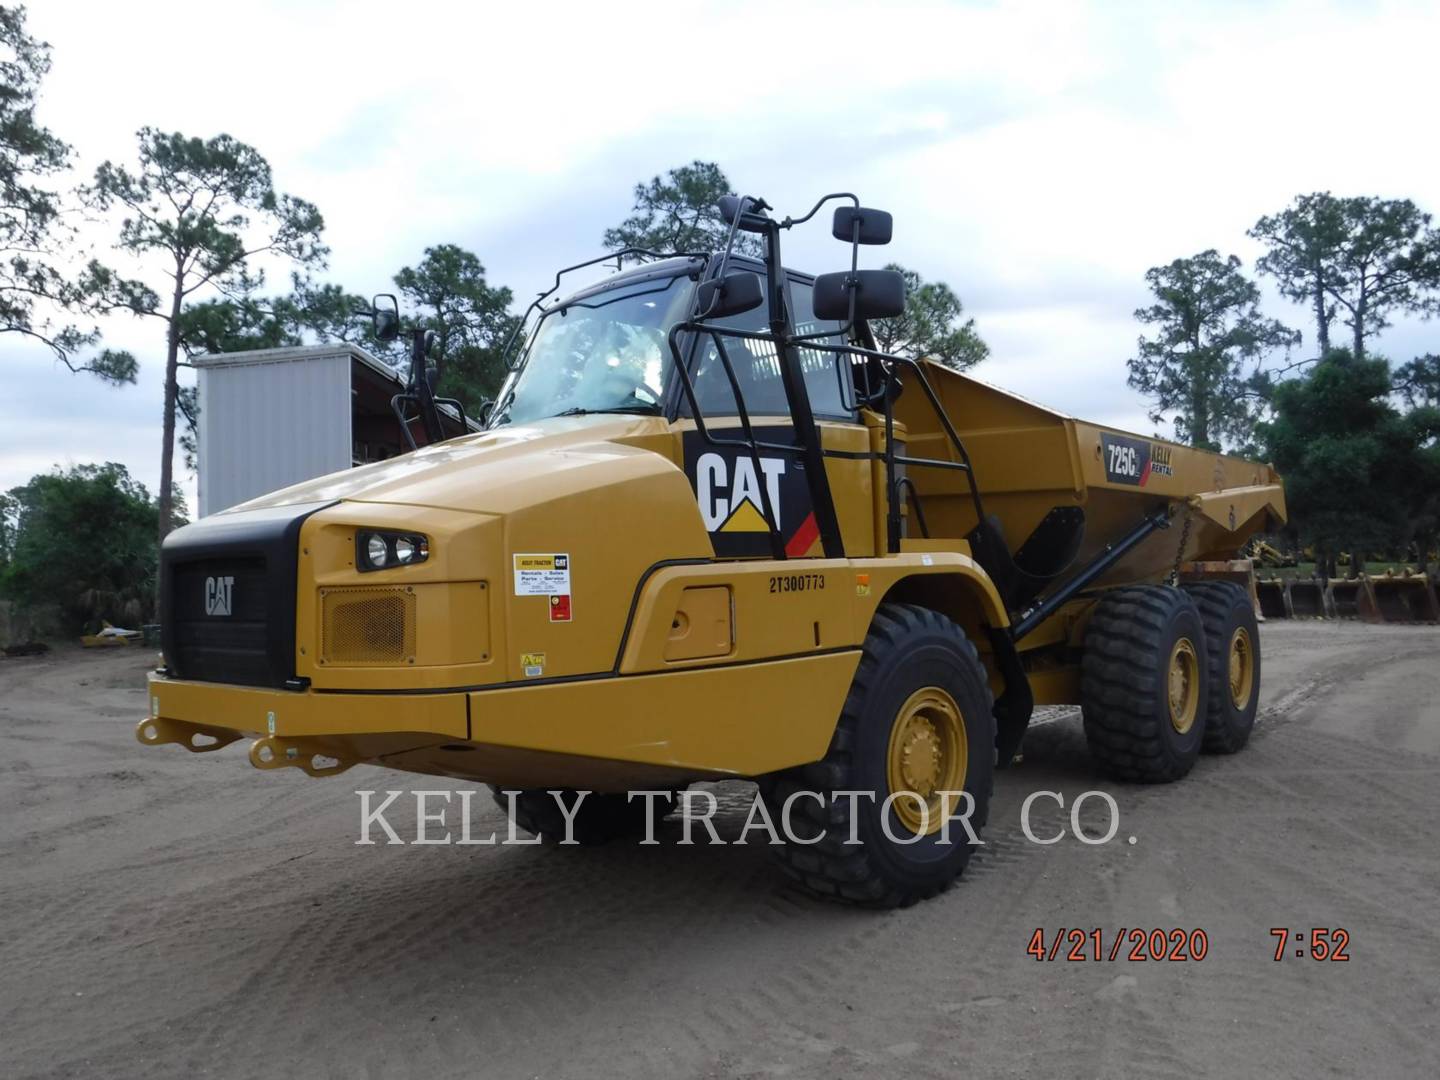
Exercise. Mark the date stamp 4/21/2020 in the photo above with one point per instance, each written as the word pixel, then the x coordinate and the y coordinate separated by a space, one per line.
pixel 1125 944
pixel 1174 944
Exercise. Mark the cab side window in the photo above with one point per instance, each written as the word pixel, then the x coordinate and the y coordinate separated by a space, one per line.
pixel 757 365
pixel 825 371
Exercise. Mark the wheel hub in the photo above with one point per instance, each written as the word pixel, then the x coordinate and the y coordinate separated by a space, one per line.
pixel 1242 668
pixel 1183 685
pixel 929 753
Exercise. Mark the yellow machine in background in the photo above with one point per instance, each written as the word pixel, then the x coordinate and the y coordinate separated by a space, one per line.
pixel 712 532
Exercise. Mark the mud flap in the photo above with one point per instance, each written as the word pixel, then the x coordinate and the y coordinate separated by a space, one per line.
pixel 1013 707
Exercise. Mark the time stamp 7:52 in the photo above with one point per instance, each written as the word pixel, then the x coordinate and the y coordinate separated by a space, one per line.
pixel 1321 943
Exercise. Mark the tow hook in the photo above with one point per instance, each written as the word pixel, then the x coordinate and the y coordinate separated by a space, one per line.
pixel 197 738
pixel 275 752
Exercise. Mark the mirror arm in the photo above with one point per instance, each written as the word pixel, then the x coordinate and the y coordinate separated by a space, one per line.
pixel 745 202
pixel 790 222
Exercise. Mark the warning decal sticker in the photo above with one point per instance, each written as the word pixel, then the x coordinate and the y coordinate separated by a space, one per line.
pixel 542 575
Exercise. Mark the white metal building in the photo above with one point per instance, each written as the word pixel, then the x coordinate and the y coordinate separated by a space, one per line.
pixel 273 417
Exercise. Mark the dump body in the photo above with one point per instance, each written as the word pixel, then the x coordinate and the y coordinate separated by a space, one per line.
pixel 1029 459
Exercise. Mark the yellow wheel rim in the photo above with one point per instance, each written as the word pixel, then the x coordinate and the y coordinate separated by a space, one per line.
pixel 1183 685
pixel 929 753
pixel 1242 668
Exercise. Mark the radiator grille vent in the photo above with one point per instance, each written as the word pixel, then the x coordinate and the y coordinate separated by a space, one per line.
pixel 367 626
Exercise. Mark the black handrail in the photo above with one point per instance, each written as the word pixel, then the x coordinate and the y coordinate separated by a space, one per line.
pixel 753 445
pixel 807 445
pixel 906 482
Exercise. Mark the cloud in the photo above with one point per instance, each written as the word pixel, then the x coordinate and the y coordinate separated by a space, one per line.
pixel 1038 157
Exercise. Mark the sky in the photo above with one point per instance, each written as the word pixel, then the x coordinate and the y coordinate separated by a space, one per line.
pixel 1037 157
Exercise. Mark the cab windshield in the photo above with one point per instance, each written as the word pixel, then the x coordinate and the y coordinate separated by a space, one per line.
pixel 606 352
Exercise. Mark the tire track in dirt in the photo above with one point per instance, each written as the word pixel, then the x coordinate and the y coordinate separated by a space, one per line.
pixel 231 926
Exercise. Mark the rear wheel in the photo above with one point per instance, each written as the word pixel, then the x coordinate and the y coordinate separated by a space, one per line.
pixel 602 816
pixel 915 732
pixel 1232 640
pixel 1143 683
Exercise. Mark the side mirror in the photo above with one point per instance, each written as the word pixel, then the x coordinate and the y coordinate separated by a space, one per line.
pixel 879 294
pixel 751 220
pixel 875 225
pixel 387 325
pixel 731 295
pixel 486 408
pixel 383 316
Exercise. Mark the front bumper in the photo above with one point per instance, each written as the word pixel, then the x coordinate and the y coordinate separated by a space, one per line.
pixel 608 732
pixel 296 729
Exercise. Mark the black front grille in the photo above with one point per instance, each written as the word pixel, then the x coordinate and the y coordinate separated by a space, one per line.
pixel 227 596
pixel 220 612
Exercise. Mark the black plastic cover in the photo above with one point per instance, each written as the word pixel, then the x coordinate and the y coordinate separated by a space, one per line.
pixel 227 596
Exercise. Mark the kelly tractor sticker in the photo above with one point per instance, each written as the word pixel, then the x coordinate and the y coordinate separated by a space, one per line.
pixel 1133 461
pixel 547 576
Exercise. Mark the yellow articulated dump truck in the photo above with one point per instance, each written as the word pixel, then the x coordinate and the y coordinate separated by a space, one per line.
pixel 710 531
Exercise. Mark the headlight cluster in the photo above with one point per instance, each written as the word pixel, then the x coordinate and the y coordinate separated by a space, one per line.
pixel 386 550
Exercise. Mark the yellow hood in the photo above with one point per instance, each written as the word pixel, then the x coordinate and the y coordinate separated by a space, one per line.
pixel 492 472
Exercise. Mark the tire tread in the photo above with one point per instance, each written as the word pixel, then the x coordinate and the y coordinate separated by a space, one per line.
pixel 831 868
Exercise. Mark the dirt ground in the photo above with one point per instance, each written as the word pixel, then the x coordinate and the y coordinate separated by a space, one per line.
pixel 168 914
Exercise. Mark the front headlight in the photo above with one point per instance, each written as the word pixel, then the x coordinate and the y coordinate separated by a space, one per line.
pixel 385 550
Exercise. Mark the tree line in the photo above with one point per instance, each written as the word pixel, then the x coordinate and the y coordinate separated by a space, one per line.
pixel 1356 438
pixel 192 225
pixel 195 221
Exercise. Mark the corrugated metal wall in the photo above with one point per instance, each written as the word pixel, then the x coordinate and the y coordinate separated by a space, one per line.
pixel 266 426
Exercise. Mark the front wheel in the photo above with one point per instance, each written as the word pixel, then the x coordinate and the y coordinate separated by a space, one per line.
pixel 878 821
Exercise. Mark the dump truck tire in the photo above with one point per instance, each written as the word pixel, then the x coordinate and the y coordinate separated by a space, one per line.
pixel 1142 683
pixel 920 701
pixel 602 817
pixel 1232 645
